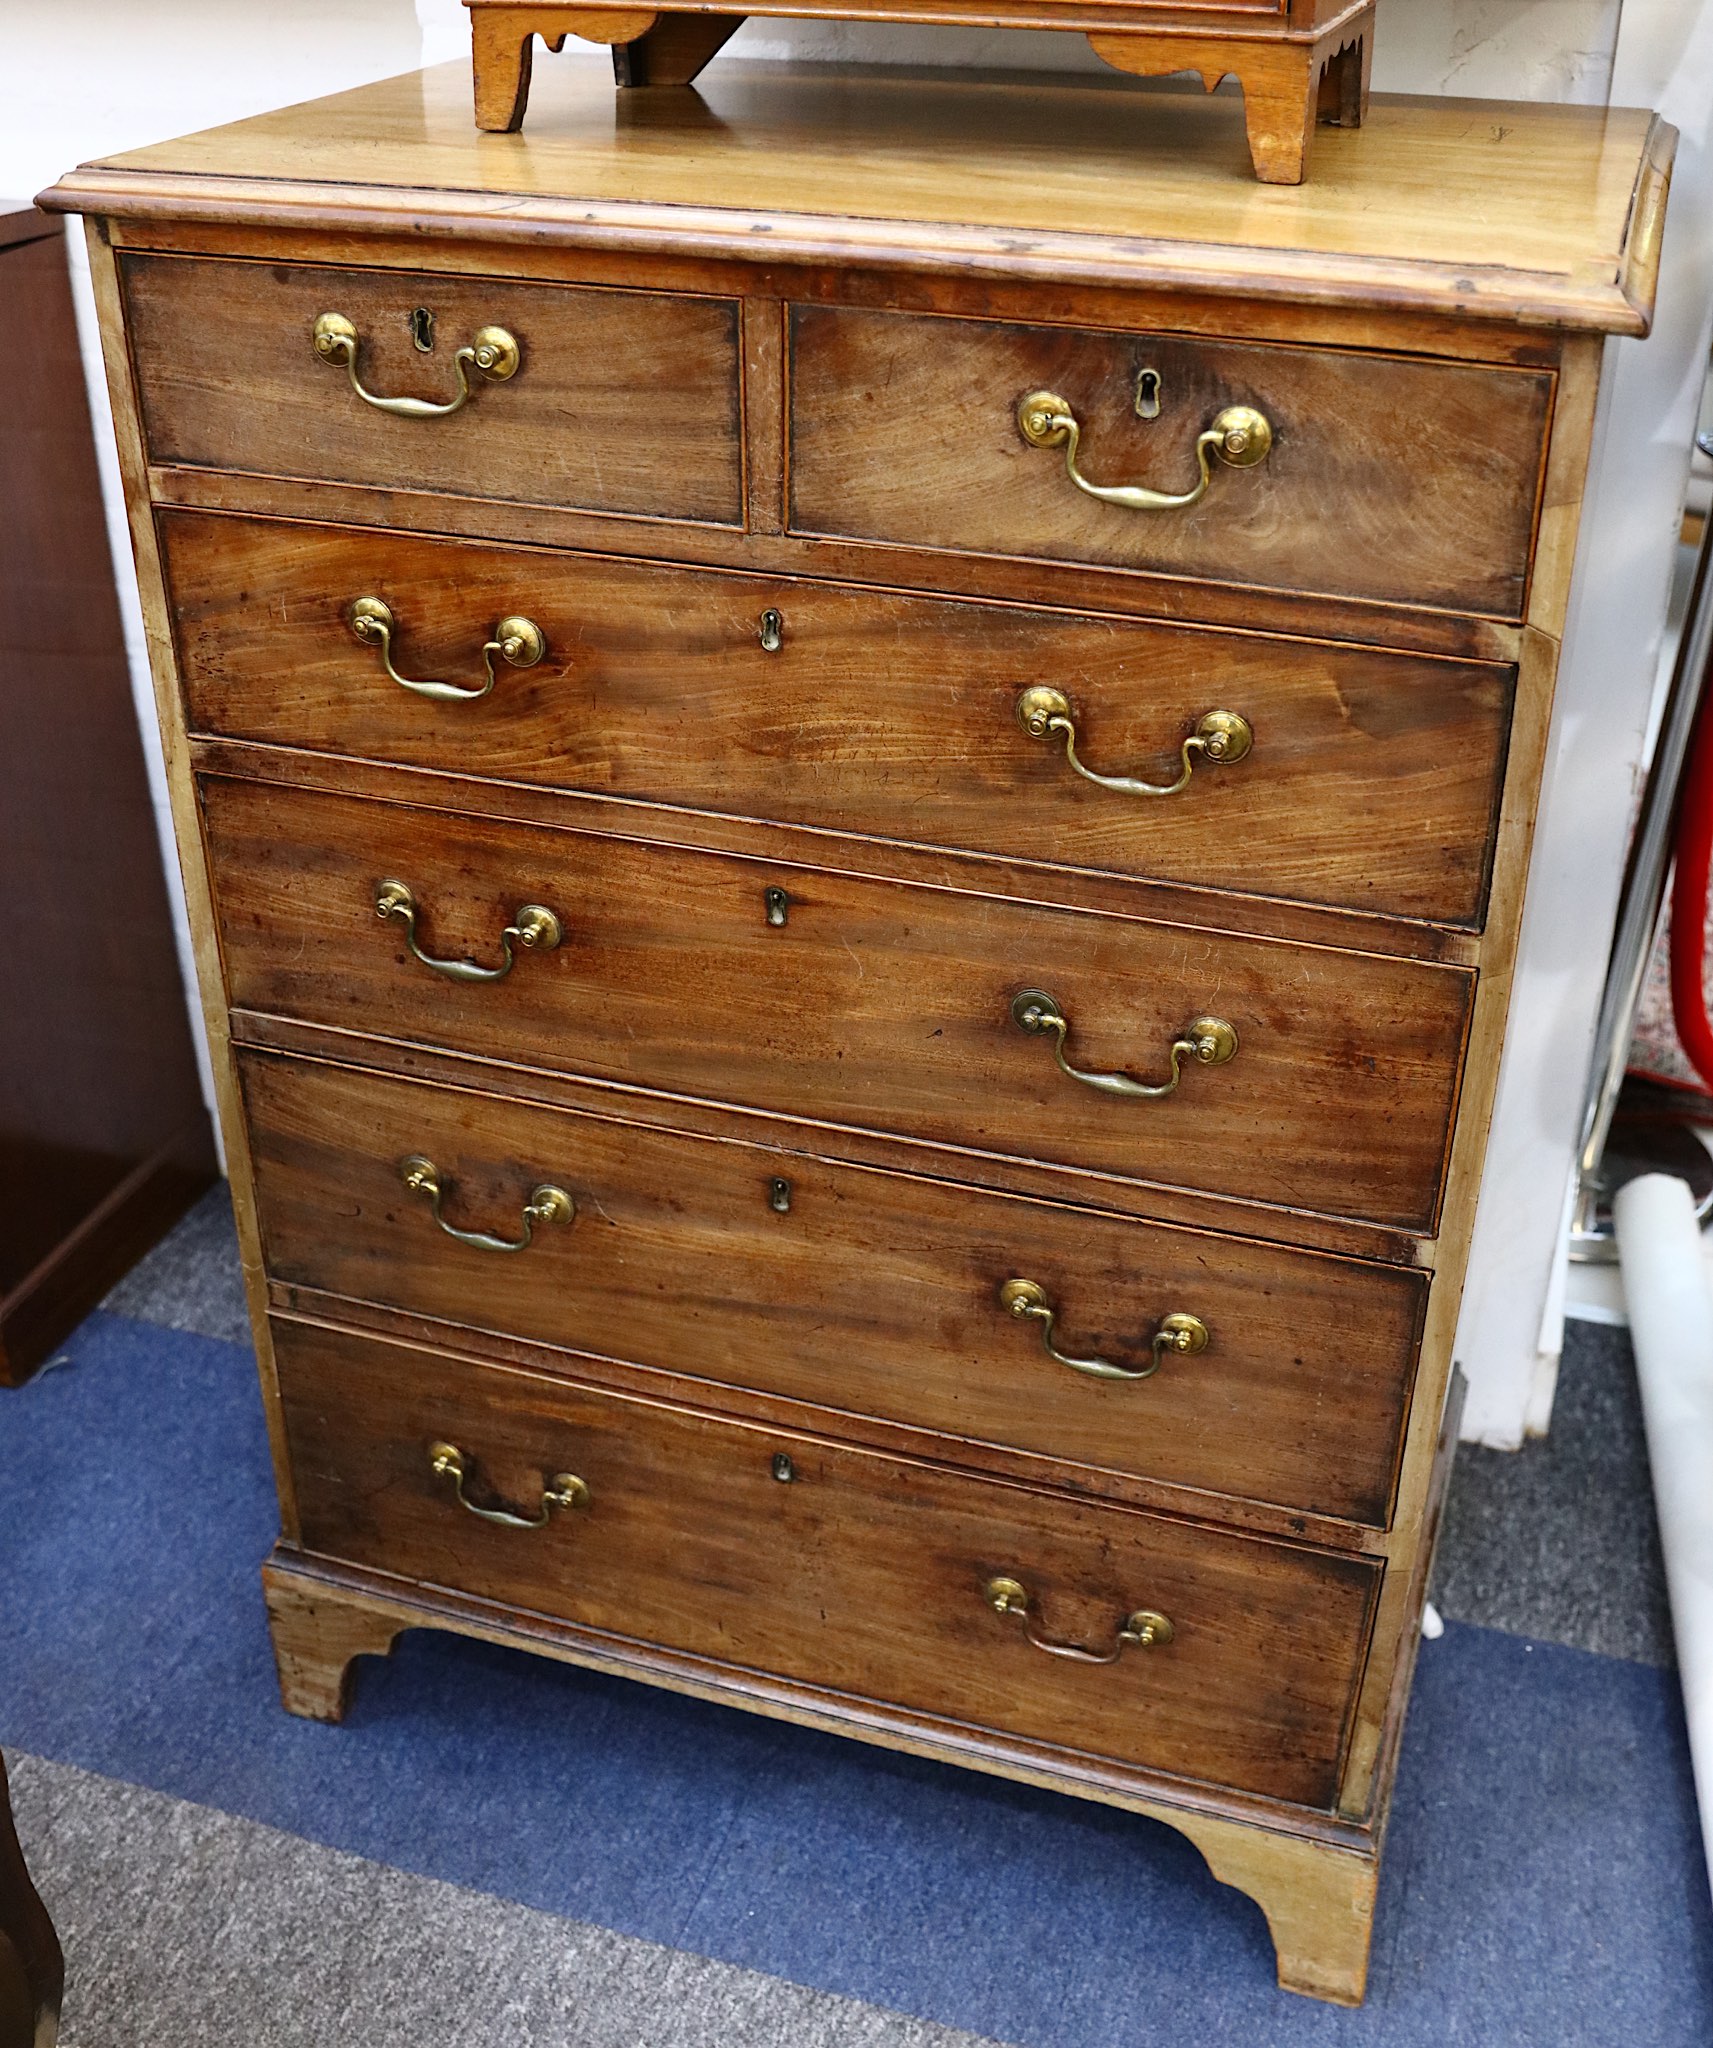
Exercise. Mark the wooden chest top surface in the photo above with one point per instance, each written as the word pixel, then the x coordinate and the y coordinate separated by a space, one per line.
pixel 1544 215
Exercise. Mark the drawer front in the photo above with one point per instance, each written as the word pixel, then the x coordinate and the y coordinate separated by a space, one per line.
pixel 621 402
pixel 1372 780
pixel 1391 479
pixel 870 1293
pixel 862 1574
pixel 869 1003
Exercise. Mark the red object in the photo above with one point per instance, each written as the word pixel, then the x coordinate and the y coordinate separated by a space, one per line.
pixel 1689 897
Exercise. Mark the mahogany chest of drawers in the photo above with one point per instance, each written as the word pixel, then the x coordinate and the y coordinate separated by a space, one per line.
pixel 857 829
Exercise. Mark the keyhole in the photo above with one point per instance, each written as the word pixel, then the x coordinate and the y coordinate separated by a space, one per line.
pixel 779 1196
pixel 771 631
pixel 1147 394
pixel 778 906
pixel 422 329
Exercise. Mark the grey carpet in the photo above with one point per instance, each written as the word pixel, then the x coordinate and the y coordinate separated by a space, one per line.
pixel 192 1279
pixel 1555 1541
pixel 1558 1540
pixel 191 1926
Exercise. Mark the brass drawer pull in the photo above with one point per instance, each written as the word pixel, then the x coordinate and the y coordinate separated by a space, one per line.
pixel 563 1490
pixel 518 642
pixel 1143 1630
pixel 1028 1300
pixel 1219 736
pixel 533 926
pixel 1240 436
pixel 494 353
pixel 1209 1041
pixel 546 1204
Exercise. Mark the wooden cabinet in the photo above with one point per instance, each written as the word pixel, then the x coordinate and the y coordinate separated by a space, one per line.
pixel 105 1140
pixel 860 918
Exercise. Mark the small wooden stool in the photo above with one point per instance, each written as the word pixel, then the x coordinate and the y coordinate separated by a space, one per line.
pixel 1298 61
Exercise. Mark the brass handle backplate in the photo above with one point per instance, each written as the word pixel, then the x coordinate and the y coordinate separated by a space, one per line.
pixel 563 1490
pixel 1028 1301
pixel 546 1204
pixel 493 354
pixel 1145 1629
pixel 533 926
pixel 1240 436
pixel 1220 736
pixel 1209 1041
pixel 518 642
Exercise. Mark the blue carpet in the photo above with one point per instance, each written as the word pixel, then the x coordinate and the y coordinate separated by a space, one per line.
pixel 1544 1882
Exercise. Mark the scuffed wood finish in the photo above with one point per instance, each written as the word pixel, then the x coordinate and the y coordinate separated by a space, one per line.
pixel 1319 1903
pixel 870 1294
pixel 872 1005
pixel 229 379
pixel 1373 782
pixel 859 1574
pixel 316 1642
pixel 1389 479
pixel 1497 215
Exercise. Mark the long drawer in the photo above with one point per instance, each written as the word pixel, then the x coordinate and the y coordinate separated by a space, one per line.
pixel 1388 478
pixel 916 1010
pixel 1371 779
pixel 865 1292
pixel 619 401
pixel 871 1576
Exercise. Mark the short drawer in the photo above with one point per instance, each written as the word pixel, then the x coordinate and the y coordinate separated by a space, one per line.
pixel 865 1292
pixel 621 401
pixel 860 1574
pixel 1371 780
pixel 848 1000
pixel 1388 478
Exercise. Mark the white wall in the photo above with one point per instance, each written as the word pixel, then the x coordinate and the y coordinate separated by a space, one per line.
pixel 87 77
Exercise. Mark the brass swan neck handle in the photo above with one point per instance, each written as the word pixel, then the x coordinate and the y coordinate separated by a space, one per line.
pixel 1240 437
pixel 563 1490
pixel 1178 1333
pixel 1220 737
pixel 1145 1629
pixel 493 354
pixel 546 1204
pixel 518 642
pixel 533 927
pixel 1209 1041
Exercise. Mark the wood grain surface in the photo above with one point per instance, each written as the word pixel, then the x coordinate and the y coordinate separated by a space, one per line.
pixel 1373 782
pixel 860 1573
pixel 871 1294
pixel 874 1004
pixel 625 402
pixel 1503 213
pixel 1392 479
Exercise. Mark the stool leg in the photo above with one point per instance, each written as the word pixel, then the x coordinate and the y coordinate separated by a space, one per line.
pixel 1280 81
pixel 674 51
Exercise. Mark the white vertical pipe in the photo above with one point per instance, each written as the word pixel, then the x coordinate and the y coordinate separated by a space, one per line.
pixel 1671 1323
